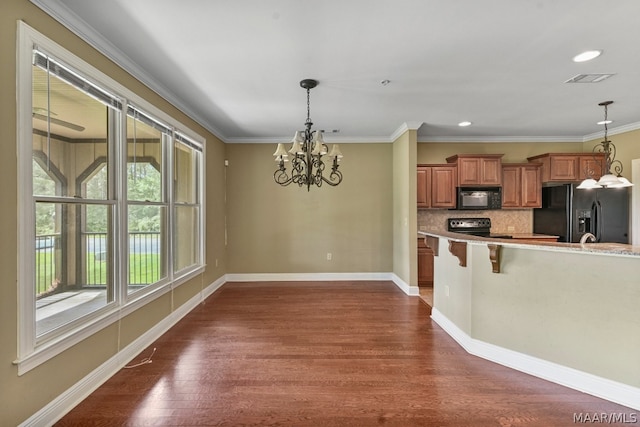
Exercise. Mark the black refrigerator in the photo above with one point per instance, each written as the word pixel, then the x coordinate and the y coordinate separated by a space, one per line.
pixel 570 212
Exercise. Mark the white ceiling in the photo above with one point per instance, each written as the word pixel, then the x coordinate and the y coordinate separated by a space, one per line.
pixel 235 65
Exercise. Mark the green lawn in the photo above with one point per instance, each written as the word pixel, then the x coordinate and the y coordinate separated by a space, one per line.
pixel 143 270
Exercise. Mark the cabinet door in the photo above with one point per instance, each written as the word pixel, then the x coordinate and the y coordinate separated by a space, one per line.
pixel 469 171
pixel 511 187
pixel 563 168
pixel 443 186
pixel 531 187
pixel 490 171
pixel 425 264
pixel 591 166
pixel 424 185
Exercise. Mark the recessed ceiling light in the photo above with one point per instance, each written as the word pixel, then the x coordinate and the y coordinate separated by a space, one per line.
pixel 464 124
pixel 385 82
pixel 587 55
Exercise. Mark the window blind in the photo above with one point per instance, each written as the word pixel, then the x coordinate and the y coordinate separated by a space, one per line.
pixel 188 141
pixel 147 120
pixel 54 67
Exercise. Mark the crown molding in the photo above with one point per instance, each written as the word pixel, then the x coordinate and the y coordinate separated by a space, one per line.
pixel 612 131
pixel 499 139
pixel 61 13
pixel 413 125
pixel 330 140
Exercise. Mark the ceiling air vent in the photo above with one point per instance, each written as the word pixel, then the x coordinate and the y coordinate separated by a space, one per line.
pixel 589 78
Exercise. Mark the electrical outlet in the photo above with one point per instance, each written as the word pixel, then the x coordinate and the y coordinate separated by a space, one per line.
pixel 329 256
pixel 216 262
pixel 446 290
pixel 511 228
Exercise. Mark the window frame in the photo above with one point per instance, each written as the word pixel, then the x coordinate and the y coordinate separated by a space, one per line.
pixel 33 351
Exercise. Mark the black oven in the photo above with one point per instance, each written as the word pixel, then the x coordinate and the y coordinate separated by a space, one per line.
pixel 478 198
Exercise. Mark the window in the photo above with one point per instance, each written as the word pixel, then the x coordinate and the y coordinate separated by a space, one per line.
pixel 188 212
pixel 70 127
pixel 110 200
pixel 147 199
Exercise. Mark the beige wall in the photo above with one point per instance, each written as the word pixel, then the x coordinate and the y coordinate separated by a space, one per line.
pixel 22 396
pixel 404 208
pixel 274 229
pixel 585 320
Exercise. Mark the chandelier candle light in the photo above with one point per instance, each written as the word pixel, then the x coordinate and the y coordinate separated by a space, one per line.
pixel 608 180
pixel 307 151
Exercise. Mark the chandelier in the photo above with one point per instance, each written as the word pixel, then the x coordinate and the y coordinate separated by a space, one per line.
pixel 306 152
pixel 609 179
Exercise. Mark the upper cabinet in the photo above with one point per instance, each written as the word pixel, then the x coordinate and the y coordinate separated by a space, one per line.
pixel 521 185
pixel 478 169
pixel 570 167
pixel 436 186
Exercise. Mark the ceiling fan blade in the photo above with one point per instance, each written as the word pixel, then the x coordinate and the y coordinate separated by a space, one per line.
pixel 55 121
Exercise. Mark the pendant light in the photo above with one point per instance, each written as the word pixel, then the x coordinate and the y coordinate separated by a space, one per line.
pixel 609 179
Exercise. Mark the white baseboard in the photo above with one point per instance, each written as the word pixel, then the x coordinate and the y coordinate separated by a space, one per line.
pixel 311 277
pixel 66 401
pixel 603 388
pixel 404 286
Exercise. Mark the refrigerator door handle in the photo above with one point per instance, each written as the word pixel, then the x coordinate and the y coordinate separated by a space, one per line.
pixel 596 220
pixel 593 223
pixel 599 221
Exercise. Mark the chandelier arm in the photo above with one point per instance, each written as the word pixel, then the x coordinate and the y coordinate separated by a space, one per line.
pixel 281 176
pixel 335 178
pixel 617 167
pixel 611 159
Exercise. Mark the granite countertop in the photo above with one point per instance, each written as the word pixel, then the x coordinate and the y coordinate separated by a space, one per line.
pixel 615 249
pixel 530 236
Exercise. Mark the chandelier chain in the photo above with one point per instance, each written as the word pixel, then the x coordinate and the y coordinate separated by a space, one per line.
pixel 308 105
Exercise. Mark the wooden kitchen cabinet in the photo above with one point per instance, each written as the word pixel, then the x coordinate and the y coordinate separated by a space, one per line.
pixel 591 166
pixel 570 167
pixel 478 169
pixel 425 264
pixel 424 185
pixel 436 186
pixel 521 185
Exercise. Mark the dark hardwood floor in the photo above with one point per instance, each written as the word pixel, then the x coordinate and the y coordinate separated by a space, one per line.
pixel 322 354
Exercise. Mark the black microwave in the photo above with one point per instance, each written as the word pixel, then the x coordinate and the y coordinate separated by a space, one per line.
pixel 479 198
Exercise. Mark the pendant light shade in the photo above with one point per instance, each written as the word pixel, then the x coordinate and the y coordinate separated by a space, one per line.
pixel 296 146
pixel 281 153
pixel 318 145
pixel 335 152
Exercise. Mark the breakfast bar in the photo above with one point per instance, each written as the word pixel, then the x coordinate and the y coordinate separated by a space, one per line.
pixel 565 312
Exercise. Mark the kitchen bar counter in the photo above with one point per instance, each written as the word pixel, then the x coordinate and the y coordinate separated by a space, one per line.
pixel 564 312
pixel 538 242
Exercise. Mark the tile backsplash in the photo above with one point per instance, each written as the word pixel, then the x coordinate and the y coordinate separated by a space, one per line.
pixel 502 221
